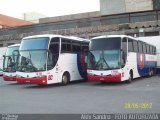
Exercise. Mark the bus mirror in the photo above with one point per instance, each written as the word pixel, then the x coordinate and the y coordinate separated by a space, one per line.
pixel 3 55
pixel 122 66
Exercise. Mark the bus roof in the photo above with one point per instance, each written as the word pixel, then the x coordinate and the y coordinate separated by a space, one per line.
pixel 14 45
pixel 122 36
pixel 110 36
pixel 52 35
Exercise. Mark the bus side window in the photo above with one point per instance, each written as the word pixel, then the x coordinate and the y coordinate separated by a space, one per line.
pixel 150 49
pixel 124 45
pixel 54 45
pixel 130 45
pixel 147 48
pixel 135 44
pixel 53 53
pixel 84 47
pixel 154 50
pixel 124 52
pixel 140 47
pixel 144 48
pixel 76 46
pixel 66 45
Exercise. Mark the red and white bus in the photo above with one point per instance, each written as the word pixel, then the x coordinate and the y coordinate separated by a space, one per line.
pixel 10 62
pixel 154 40
pixel 116 58
pixel 48 59
pixel 2 53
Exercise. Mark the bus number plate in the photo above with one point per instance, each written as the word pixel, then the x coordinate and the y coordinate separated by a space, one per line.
pixel 101 78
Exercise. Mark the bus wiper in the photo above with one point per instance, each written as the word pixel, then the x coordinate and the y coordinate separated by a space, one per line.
pixel 99 64
pixel 105 64
pixel 34 68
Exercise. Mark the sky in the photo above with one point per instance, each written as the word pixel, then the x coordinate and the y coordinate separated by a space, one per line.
pixel 50 8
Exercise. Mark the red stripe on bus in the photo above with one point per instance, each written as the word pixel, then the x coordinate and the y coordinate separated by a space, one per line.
pixel 41 81
pixel 9 78
pixel 116 78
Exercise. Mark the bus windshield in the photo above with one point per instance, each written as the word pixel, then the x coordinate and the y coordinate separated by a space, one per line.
pixel 104 60
pixel 39 43
pixel 10 50
pixel 11 59
pixel 105 43
pixel 104 54
pixel 32 61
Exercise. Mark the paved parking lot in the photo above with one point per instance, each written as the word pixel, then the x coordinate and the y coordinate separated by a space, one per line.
pixel 82 97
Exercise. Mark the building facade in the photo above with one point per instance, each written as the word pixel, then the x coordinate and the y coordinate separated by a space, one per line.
pixel 143 21
pixel 33 17
pixel 108 7
pixel 7 22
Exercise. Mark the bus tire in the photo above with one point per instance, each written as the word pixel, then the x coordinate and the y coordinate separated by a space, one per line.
pixel 65 78
pixel 103 82
pixel 130 77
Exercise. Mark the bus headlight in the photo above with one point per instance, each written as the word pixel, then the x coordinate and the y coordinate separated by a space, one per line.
pixel 115 72
pixel 39 76
pixel 90 74
pixel 18 76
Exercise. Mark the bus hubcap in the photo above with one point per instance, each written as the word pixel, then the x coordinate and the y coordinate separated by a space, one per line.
pixel 64 79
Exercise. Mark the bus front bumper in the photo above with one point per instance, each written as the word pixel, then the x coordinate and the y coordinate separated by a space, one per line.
pixel 115 78
pixel 39 80
pixel 9 78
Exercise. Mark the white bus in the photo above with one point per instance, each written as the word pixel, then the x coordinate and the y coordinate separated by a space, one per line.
pixel 116 58
pixel 2 53
pixel 154 40
pixel 10 62
pixel 47 59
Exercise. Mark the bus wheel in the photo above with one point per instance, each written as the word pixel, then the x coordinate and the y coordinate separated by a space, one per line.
pixel 130 77
pixel 65 78
pixel 103 82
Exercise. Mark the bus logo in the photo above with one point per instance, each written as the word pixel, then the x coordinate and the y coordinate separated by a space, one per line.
pixel 50 77
pixel 141 61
